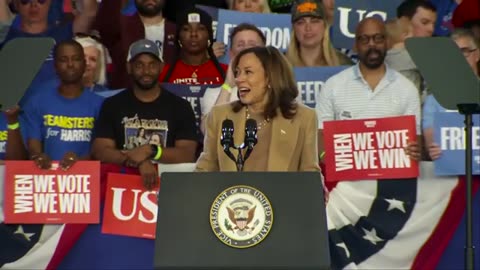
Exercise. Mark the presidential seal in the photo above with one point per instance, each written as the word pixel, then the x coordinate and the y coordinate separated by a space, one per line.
pixel 241 216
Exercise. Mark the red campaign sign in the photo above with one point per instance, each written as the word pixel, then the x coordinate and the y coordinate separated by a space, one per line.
pixel 54 196
pixel 369 148
pixel 130 209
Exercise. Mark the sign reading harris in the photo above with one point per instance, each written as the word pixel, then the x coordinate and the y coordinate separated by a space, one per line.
pixel 35 196
pixel 130 209
pixel 275 27
pixel 311 79
pixel 369 148
pixel 449 134
pixel 348 13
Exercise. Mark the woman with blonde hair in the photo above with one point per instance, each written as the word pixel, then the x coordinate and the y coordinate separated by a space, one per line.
pixel 286 130
pixel 310 44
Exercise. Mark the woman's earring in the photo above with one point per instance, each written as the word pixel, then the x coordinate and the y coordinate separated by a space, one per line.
pixel 179 44
pixel 209 43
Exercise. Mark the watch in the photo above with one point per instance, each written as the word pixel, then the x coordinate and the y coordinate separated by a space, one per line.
pixel 154 148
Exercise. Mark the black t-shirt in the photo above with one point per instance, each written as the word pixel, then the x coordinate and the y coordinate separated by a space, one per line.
pixel 132 123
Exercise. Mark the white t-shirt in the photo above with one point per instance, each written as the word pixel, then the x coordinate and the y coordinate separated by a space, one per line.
pixel 156 33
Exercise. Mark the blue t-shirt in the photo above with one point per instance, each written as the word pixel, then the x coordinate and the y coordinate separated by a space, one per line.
pixel 4 132
pixel 3 135
pixel 47 70
pixel 61 124
pixel 54 83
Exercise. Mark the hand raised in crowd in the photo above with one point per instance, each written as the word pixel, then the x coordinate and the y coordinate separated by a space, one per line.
pixel 149 174
pixel 68 160
pixel 12 115
pixel 137 155
pixel 42 161
pixel 434 151
pixel 218 49
pixel 413 150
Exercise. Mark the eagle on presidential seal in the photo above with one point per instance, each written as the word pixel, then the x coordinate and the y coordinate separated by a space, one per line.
pixel 241 213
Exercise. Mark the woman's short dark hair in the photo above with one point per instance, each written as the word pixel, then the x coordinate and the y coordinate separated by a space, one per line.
pixel 282 89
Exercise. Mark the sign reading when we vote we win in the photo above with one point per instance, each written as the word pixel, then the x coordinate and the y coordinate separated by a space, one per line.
pixel 449 135
pixel 130 209
pixel 54 196
pixel 369 148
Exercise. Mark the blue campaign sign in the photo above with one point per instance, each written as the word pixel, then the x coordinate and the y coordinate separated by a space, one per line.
pixel 348 13
pixel 192 93
pixel 311 79
pixel 449 134
pixel 275 27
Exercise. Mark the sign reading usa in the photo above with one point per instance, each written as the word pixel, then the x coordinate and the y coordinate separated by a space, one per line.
pixel 449 135
pixel 348 13
pixel 52 196
pixel 369 148
pixel 130 209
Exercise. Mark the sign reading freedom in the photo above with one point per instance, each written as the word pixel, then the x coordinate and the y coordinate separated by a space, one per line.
pixel 35 196
pixel 369 148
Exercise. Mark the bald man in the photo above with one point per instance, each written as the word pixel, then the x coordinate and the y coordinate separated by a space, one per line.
pixel 369 89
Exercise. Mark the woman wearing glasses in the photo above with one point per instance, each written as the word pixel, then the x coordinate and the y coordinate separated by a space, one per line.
pixel 465 41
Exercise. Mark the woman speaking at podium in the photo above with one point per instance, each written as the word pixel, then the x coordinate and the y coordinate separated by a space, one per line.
pixel 286 137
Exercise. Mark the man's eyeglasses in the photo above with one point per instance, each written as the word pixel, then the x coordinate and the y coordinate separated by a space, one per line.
pixel 365 39
pixel 26 2
pixel 467 51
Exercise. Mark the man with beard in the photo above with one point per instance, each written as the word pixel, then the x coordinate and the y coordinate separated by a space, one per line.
pixel 145 106
pixel 60 120
pixel 369 89
pixel 119 31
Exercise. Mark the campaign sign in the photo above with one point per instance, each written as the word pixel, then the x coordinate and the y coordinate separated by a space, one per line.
pixel 449 134
pixel 311 79
pixel 192 93
pixel 275 27
pixel 54 196
pixel 348 13
pixel 369 148
pixel 130 209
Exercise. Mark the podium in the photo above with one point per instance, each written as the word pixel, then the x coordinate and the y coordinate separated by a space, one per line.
pixel 248 220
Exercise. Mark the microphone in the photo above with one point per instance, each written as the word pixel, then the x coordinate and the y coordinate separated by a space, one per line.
pixel 226 140
pixel 250 136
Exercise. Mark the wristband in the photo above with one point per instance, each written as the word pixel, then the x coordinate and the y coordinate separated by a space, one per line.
pixel 159 153
pixel 227 87
pixel 13 126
